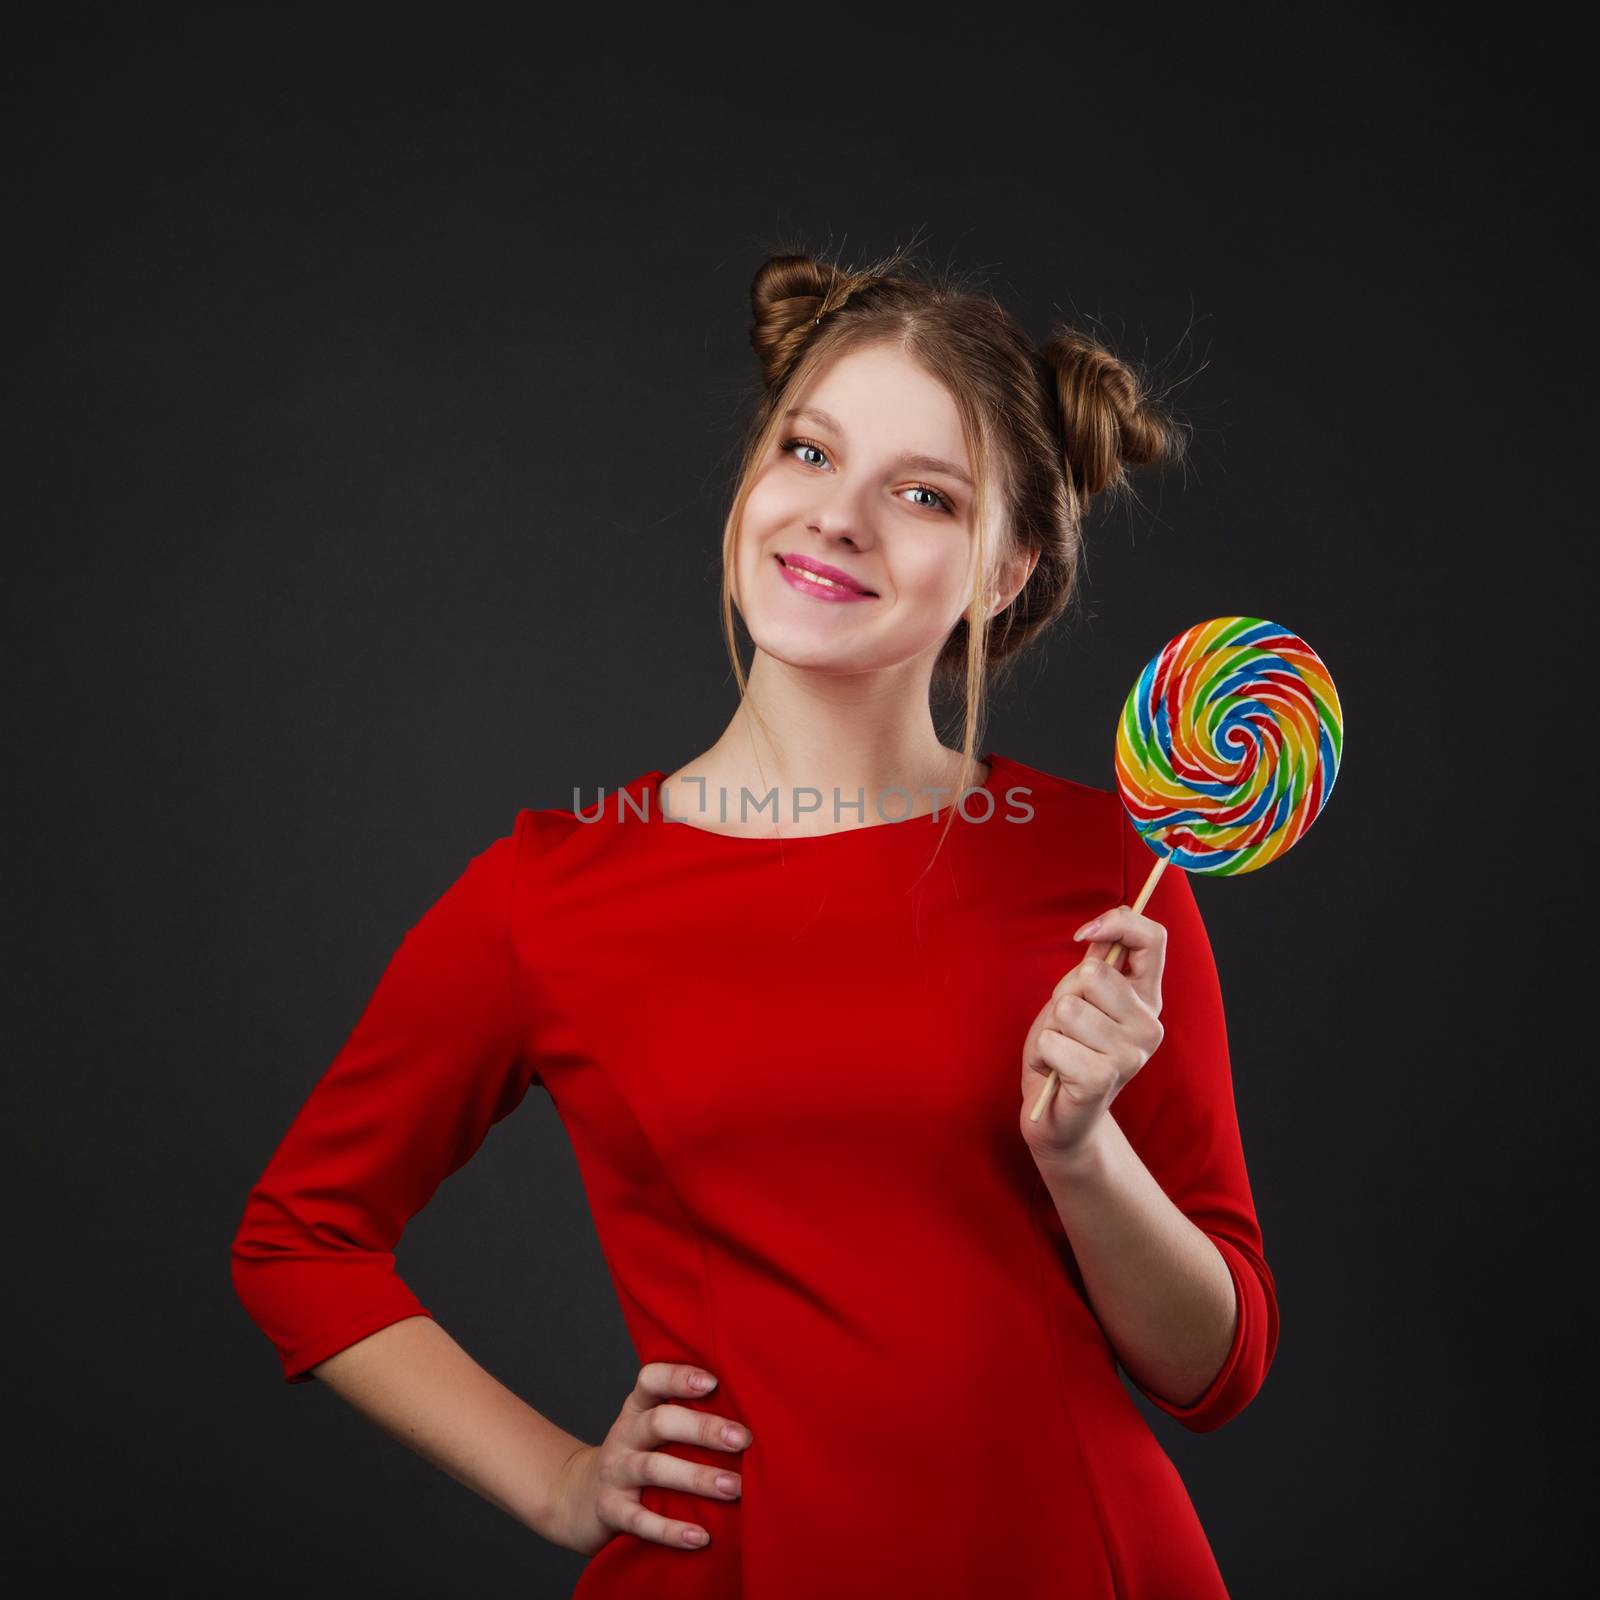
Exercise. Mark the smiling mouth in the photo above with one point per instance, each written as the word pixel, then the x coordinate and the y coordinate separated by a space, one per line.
pixel 821 582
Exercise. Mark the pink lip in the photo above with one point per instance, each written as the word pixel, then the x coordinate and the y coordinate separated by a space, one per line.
pixel 852 589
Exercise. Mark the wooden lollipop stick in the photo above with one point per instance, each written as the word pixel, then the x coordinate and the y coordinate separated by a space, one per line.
pixel 1113 955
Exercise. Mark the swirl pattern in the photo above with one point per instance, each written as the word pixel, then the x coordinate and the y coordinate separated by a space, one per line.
pixel 1229 745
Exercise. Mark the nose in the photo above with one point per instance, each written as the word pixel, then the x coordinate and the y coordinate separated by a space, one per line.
pixel 836 525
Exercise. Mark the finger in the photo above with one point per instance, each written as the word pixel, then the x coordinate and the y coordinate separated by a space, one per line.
pixel 1085 1074
pixel 1142 938
pixel 1077 1018
pixel 622 1510
pixel 1133 930
pixel 666 1422
pixel 1109 992
pixel 1071 981
pixel 664 1471
pixel 660 1380
pixel 1088 977
pixel 638 1423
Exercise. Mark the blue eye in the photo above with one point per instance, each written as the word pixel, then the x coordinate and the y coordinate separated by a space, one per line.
pixel 926 488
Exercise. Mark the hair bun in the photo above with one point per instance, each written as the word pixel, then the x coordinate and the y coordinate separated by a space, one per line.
pixel 1107 423
pixel 788 294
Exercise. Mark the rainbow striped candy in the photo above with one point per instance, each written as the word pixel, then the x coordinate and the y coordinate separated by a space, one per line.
pixel 1229 745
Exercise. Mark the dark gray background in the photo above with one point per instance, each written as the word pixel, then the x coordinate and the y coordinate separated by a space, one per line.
pixel 377 376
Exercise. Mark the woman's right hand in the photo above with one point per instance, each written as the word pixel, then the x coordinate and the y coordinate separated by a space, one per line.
pixel 598 1493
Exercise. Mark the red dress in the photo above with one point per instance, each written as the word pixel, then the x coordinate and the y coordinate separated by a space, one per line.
pixel 789 1071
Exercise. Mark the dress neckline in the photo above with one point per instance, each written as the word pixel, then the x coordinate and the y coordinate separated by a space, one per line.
pixel 649 788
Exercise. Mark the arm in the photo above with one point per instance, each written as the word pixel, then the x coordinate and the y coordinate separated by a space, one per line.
pixel 420 1387
pixel 1158 1285
pixel 438 1056
pixel 1158 1209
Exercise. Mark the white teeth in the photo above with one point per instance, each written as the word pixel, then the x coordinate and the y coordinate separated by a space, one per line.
pixel 827 583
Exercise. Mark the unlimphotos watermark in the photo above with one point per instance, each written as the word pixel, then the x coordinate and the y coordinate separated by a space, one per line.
pixel 976 804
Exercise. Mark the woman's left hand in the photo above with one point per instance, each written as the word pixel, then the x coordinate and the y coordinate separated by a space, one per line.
pixel 1098 1028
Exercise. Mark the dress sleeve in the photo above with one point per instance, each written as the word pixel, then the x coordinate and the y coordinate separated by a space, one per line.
pixel 437 1057
pixel 1178 1114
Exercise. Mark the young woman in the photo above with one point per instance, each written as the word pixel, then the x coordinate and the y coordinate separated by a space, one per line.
pixel 793 1005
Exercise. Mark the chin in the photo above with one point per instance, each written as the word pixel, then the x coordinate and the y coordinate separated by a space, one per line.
pixel 797 647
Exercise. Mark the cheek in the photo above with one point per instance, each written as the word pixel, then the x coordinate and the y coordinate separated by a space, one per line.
pixel 772 500
pixel 932 574
pixel 766 510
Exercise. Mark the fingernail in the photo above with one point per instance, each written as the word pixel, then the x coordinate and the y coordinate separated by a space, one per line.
pixel 1088 930
pixel 695 1536
pixel 701 1380
pixel 733 1435
pixel 726 1482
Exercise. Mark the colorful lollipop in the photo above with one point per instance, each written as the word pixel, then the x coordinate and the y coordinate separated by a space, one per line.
pixel 1227 751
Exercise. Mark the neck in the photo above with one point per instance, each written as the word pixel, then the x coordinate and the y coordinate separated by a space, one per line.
pixel 838 733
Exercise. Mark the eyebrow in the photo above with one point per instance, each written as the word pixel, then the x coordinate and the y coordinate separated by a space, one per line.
pixel 926 463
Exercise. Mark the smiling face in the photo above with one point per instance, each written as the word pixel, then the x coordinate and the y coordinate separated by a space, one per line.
pixel 868 482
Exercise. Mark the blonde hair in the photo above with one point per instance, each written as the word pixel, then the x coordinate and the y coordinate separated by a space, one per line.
pixel 1047 427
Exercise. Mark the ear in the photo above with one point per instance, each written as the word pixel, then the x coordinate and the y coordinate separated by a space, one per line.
pixel 1013 576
